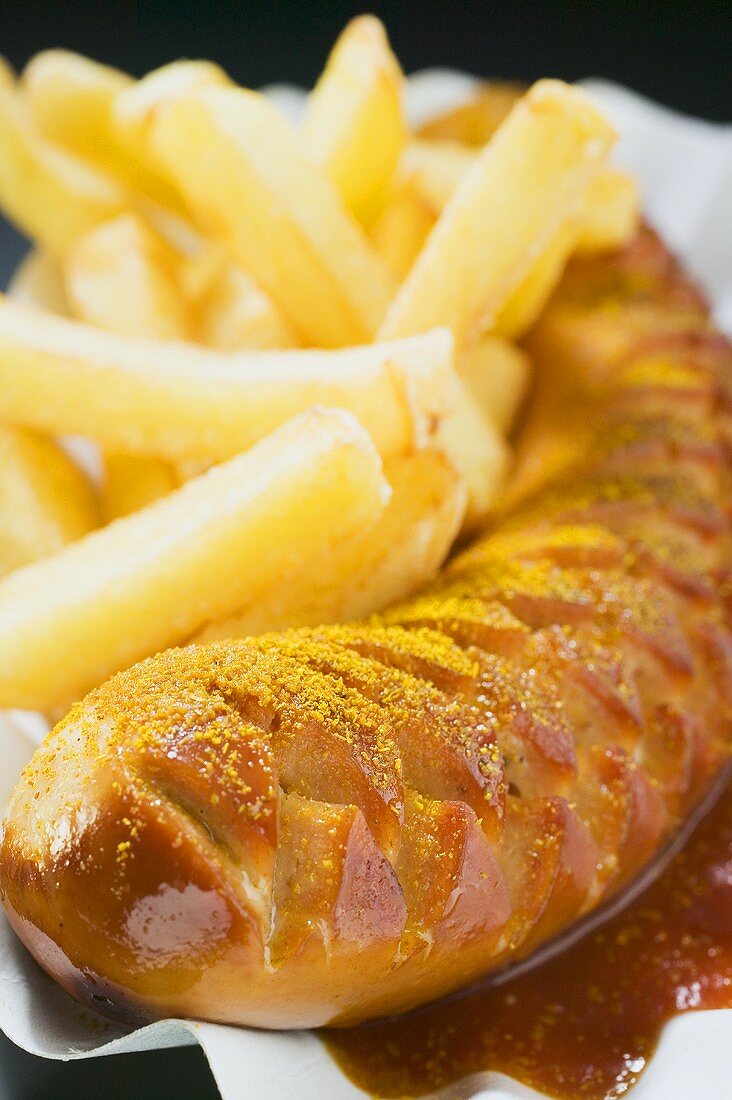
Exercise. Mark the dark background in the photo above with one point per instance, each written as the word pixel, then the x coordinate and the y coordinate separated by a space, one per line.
pixel 677 53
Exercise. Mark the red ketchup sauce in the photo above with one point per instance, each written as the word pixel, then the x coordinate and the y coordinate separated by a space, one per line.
pixel 584 1025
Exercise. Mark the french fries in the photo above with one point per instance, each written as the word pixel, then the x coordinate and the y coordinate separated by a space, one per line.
pixel 131 483
pixel 46 501
pixel 50 194
pixel 354 126
pixel 608 217
pixel 235 159
pixel 523 307
pixel 496 374
pixel 473 444
pixel 509 206
pixel 611 212
pixel 71 98
pixel 122 277
pixel 176 401
pixel 232 311
pixel 373 568
pixel 401 229
pixel 154 578
pixel 247 319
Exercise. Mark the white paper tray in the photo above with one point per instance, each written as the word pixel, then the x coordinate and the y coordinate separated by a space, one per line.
pixel 685 168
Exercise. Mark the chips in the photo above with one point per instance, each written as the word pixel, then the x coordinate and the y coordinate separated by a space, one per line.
pixel 175 401
pixel 368 571
pixel 123 277
pixel 284 306
pixel 46 501
pixel 354 126
pixel 154 578
pixel 51 195
pixel 528 181
pixel 237 162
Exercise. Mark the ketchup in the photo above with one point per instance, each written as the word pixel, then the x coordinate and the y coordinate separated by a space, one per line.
pixel 584 1025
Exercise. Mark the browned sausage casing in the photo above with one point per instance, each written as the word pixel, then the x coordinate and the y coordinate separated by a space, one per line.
pixel 328 825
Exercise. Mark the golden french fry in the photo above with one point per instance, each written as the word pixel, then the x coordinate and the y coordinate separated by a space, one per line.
pixel 176 401
pixel 528 299
pixel 478 452
pixel 132 483
pixel 233 312
pixel 611 212
pixel 51 195
pixel 434 169
pixel 236 161
pixel 38 281
pixel 373 568
pixel 123 277
pixel 354 126
pixel 45 499
pixel 401 229
pixel 496 374
pixel 150 580
pixel 474 122
pixel 525 184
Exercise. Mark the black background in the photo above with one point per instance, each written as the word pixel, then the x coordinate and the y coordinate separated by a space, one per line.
pixel 678 53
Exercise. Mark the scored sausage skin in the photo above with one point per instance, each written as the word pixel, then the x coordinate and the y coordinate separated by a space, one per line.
pixel 327 825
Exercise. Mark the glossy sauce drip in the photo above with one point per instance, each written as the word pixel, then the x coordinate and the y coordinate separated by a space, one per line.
pixel 586 1024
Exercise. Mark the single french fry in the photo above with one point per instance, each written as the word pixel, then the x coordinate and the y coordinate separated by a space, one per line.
pixel 510 205
pixel 354 126
pixel 611 212
pixel 150 580
pixel 478 452
pixel 177 401
pixel 46 501
pixel 38 281
pixel 522 308
pixel 236 161
pixel 123 277
pixel 233 312
pixel 475 122
pixel 497 375
pixel 401 229
pixel 132 483
pixel 50 194
pixel 434 169
pixel 374 568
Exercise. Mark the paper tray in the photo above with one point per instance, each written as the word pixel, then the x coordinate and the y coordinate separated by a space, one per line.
pixel 685 170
